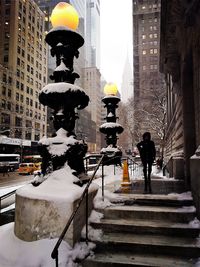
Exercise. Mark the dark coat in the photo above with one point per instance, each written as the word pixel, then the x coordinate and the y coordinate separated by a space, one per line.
pixel 147 151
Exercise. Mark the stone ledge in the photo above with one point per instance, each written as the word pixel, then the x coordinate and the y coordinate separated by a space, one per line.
pixel 43 218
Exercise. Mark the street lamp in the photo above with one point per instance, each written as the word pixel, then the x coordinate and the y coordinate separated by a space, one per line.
pixel 63 96
pixel 111 128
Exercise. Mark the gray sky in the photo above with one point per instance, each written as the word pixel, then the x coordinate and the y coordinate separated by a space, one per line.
pixel 116 38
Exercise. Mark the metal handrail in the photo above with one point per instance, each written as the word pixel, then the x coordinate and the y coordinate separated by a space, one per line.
pixel 54 253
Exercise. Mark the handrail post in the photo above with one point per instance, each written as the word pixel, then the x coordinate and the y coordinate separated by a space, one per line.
pixel 86 217
pixel 102 174
pixel 56 258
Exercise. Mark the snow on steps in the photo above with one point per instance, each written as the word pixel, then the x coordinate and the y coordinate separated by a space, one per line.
pixel 146 226
pixel 147 232
pixel 119 259
pixel 173 214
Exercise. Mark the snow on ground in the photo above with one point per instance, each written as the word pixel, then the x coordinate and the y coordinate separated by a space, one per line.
pixel 17 253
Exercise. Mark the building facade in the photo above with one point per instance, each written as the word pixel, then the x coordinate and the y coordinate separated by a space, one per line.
pixel 23 70
pixel 147 78
pixel 180 62
pixel 92 86
pixel 93 33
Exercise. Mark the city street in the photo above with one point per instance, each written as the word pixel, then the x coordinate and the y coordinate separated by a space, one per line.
pixel 13 179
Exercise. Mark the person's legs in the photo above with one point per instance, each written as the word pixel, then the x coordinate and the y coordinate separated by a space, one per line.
pixel 149 176
pixel 145 176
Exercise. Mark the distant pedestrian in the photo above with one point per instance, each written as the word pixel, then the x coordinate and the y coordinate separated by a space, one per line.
pixel 6 170
pixel 147 153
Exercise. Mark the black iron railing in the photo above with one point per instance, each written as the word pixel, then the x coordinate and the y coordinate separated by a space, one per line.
pixel 54 253
pixel 101 162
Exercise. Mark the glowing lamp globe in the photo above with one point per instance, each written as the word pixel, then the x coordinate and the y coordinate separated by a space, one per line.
pixel 110 89
pixel 65 14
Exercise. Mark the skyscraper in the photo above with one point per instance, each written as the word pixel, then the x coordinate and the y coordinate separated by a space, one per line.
pixel 127 81
pixel 93 33
pixel 23 69
pixel 146 41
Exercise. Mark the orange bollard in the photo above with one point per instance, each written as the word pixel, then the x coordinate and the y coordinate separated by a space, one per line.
pixel 126 183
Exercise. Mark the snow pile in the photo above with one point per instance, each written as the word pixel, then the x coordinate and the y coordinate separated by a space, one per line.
pixel 110 148
pixel 60 87
pixel 59 185
pixel 17 253
pixel 95 216
pixel 195 223
pixel 59 144
pixel 182 196
pixel 110 114
pixel 61 67
pixel 111 96
pixel 110 125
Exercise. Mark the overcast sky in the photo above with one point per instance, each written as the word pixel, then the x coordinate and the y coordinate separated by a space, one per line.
pixel 116 38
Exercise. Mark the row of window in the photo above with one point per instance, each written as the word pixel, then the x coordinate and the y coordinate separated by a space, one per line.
pixel 7 105
pixel 151 51
pixel 151 67
pixel 150 20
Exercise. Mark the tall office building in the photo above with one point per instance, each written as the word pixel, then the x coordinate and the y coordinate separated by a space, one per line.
pixel 93 33
pixel 146 42
pixel 92 86
pixel 127 81
pixel 23 69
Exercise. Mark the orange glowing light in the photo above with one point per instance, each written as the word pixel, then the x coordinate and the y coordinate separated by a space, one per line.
pixel 65 14
pixel 110 89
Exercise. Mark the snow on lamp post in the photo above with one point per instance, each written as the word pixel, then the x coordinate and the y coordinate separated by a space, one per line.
pixel 63 96
pixel 111 128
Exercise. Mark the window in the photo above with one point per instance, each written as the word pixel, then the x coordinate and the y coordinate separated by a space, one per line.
pixel 155 51
pixel 144 52
pixel 17 84
pixel 22 87
pixel 143 67
pixel 17 96
pixel 151 36
pixel 3 90
pixel 22 98
pixel 151 51
pixel 5 59
pixel 18 61
pixel 27 101
pixel 143 36
pixel 8 105
pixel 155 35
pixel 9 93
pixel 18 73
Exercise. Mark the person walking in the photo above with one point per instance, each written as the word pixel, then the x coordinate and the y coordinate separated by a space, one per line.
pixel 147 154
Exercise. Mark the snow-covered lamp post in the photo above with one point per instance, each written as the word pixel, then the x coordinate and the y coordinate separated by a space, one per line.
pixel 111 128
pixel 43 211
pixel 63 96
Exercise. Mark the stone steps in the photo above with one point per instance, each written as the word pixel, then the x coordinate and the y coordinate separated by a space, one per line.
pixel 150 244
pixel 147 230
pixel 146 227
pixel 172 214
pixel 155 200
pixel 118 259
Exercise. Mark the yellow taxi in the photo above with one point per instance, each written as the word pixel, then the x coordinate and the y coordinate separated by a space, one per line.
pixel 26 168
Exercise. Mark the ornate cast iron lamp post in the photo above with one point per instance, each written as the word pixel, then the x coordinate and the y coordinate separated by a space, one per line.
pixel 63 96
pixel 111 128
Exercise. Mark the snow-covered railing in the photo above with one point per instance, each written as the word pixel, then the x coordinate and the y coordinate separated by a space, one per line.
pixel 6 196
pixel 54 253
